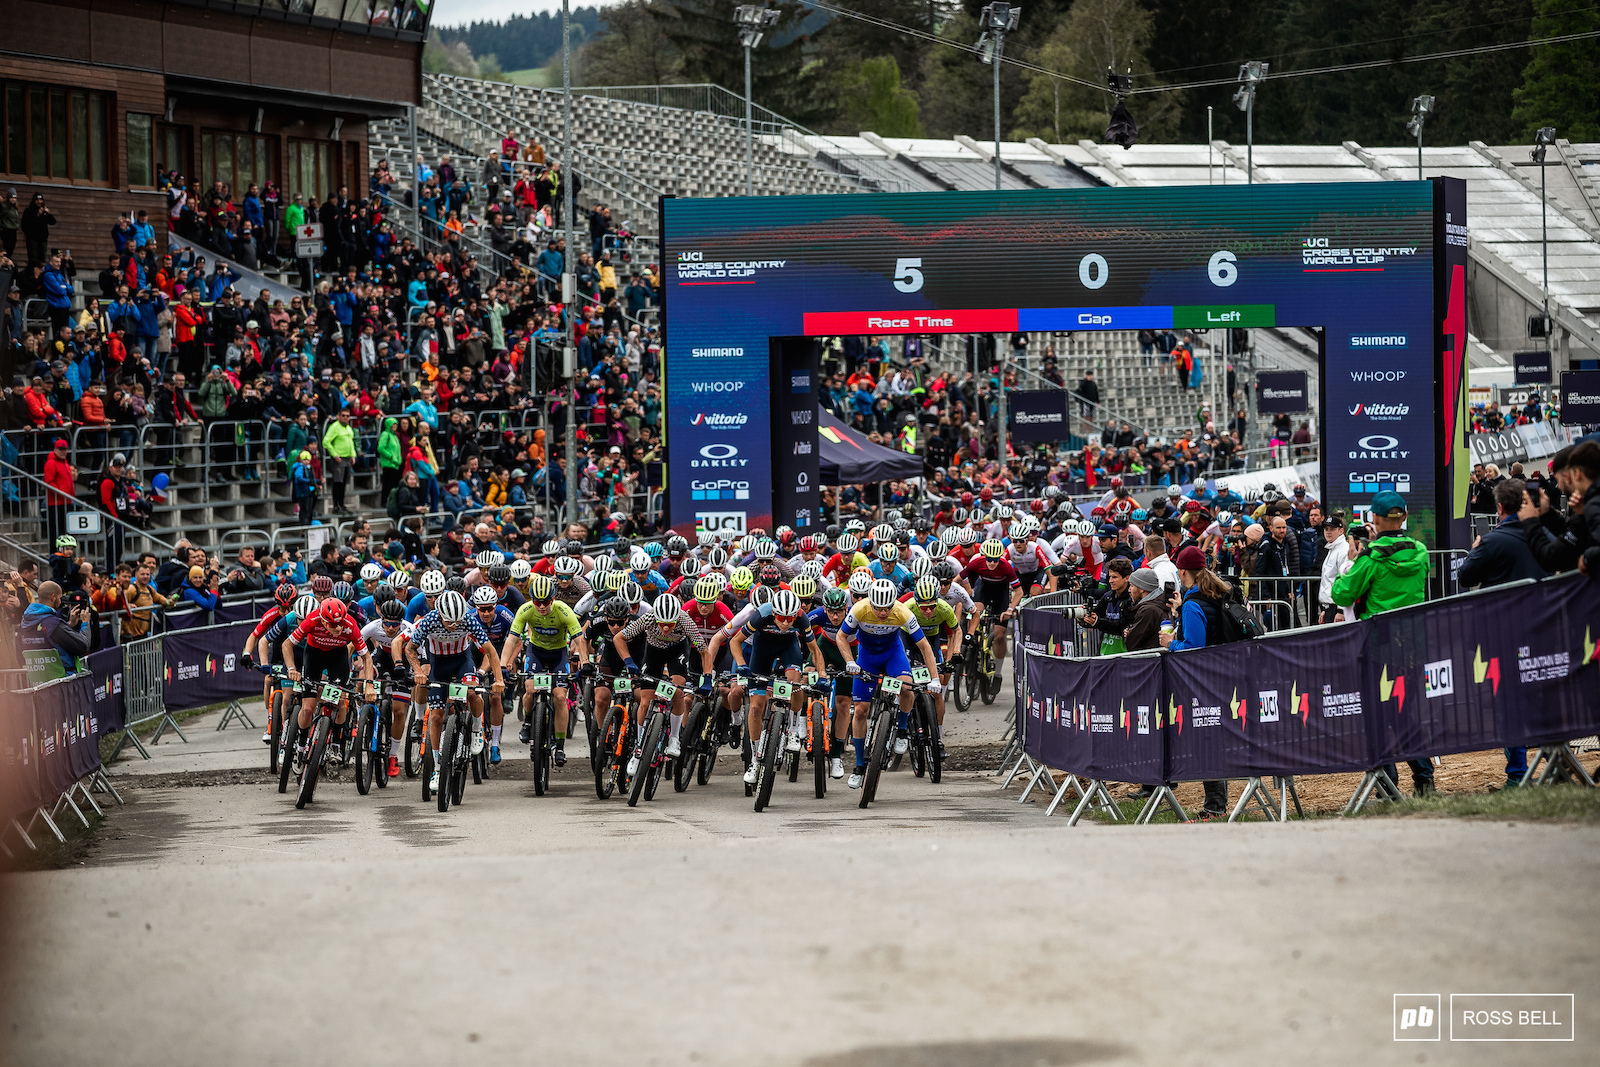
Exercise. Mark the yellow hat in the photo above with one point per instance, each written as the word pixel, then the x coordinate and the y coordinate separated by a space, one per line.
pixel 197 574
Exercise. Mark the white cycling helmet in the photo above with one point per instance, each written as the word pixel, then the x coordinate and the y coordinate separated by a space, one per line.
pixel 921 565
pixel 883 594
pixel 967 535
pixel 1002 511
pixel 938 551
pixel 484 596
pixel 666 609
pixel 761 595
pixel 566 566
pixel 371 572
pixel 747 543
pixel 766 549
pixel 632 592
pixel 452 607
pixel 717 558
pixel 639 561
pixel 520 569
pixel 705 538
pixel 689 568
pixel 812 568
pixel 551 547
pixel 304 606
pixel 433 583
pixel 848 543
pixel 883 531
pixel 399 581
pixel 860 583
pixel 1086 528
pixel 786 603
pixel 949 536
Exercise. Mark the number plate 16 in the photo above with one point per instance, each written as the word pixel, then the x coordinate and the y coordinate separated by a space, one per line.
pixel 891 685
pixel 782 690
pixel 666 690
pixel 541 681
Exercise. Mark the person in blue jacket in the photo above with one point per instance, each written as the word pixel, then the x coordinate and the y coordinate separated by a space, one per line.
pixel 1203 594
pixel 58 292
pixel 195 590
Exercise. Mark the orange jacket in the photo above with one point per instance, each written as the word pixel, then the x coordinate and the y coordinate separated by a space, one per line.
pixel 62 487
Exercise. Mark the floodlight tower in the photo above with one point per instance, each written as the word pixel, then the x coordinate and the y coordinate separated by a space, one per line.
pixel 997 20
pixel 753 21
pixel 1541 142
pixel 1421 108
pixel 1251 75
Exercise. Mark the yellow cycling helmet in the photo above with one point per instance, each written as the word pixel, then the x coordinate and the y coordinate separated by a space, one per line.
pixel 540 587
pixel 993 548
pixel 615 580
pixel 804 587
pixel 742 580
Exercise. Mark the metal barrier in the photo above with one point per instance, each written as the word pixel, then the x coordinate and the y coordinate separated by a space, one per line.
pixel 142 671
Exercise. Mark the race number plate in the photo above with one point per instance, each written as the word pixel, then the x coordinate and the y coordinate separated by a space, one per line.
pixel 541 681
pixel 782 690
pixel 891 685
pixel 666 690
pixel 458 691
pixel 920 675
pixel 812 677
pixel 332 693
pixel 624 684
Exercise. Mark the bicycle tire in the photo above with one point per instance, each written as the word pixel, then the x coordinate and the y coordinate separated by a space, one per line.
pixel 935 761
pixel 990 689
pixel 772 753
pixel 603 755
pixel 792 759
pixel 380 746
pixel 291 737
pixel 917 750
pixel 275 725
pixel 959 690
pixel 747 750
pixel 647 751
pixel 591 724
pixel 425 770
pixel 819 748
pixel 683 766
pixel 366 757
pixel 445 759
pixel 308 778
pixel 538 749
pixel 465 759
pixel 882 730
pixel 415 747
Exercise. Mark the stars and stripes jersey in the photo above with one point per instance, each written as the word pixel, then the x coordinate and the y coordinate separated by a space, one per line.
pixel 312 633
pixel 432 638
pixel 685 629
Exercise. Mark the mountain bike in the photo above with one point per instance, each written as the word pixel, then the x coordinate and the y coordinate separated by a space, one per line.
pixel 613 741
pixel 540 712
pixel 415 738
pixel 330 696
pixel 371 748
pixel 275 715
pixel 882 724
pixel 980 676
pixel 455 743
pixel 775 757
pixel 924 731
pixel 653 758
pixel 704 728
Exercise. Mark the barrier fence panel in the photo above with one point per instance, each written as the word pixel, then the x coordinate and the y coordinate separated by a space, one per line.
pixel 142 670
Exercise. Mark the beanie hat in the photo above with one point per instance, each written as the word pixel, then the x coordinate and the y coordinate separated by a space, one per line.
pixel 1146 579
pixel 1191 559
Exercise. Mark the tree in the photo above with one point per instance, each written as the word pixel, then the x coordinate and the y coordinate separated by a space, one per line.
pixel 1094 36
pixel 707 41
pixel 630 48
pixel 522 41
pixel 873 99
pixel 1558 83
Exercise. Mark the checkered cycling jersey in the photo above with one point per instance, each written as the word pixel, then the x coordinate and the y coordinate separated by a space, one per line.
pixel 431 637
pixel 573 592
pixel 684 630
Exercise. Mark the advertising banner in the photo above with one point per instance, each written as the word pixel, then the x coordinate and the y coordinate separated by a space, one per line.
pixel 105 680
pixel 1501 449
pixel 1282 391
pixel 1532 368
pixel 19 756
pixel 202 666
pixel 1580 397
pixel 1037 416
pixel 56 723
pixel 796 486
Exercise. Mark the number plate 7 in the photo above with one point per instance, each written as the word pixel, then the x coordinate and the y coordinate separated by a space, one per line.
pixel 541 681
pixel 332 693
pixel 782 690
pixel 458 691
pixel 891 685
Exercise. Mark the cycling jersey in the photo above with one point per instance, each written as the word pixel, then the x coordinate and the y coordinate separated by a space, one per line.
pixel 996 573
pixel 825 631
pixel 312 633
pixel 899 575
pixel 958 597
pixel 551 629
pixel 512 599
pixel 432 639
pixel 599 636
pixel 499 626
pixel 1027 558
pixel 937 619
pixel 570 594
pixel 380 642
pixel 684 630
pixel 417 607
pixel 840 569
pixel 651 581
pixel 876 635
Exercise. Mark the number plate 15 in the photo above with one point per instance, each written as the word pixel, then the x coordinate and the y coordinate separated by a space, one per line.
pixel 541 681
pixel 458 691
pixel 920 675
pixel 891 685
pixel 782 690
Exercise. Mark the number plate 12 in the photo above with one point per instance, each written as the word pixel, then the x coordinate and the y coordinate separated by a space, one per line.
pixel 332 693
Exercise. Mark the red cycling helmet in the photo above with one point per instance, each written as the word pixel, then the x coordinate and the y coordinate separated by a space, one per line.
pixel 322 585
pixel 285 593
pixel 986 494
pixel 1116 481
pixel 1037 507
pixel 808 543
pixel 966 499
pixel 1096 511
pixel 332 611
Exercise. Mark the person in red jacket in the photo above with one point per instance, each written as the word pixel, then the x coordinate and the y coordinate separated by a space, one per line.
pixel 61 476
pixel 189 318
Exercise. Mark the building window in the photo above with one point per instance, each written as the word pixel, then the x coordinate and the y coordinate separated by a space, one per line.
pixel 54 133
pixel 313 169
pixel 141 150
pixel 236 160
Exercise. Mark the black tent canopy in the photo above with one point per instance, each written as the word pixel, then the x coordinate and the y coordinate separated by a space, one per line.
pixel 846 457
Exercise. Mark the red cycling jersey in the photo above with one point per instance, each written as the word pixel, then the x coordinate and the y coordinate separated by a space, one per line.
pixel 998 570
pixel 712 620
pixel 273 614
pixel 311 632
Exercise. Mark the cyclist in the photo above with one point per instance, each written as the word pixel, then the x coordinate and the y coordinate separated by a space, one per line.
pixel 498 578
pixel 570 584
pixel 876 624
pixel 382 636
pixel 642 570
pixel 346 594
pixel 1031 557
pixel 431 584
pixel 331 640
pixel 548 552
pixel 669 634
pixel 521 569
pixel 284 597
pixel 479 574
pixel 601 657
pixel 825 622
pixel 440 650
pixel 997 588
pixel 540 634
pixel 677 552
pixel 740 583
pixel 940 624
pixel 844 562
pixel 370 581
pixel 497 619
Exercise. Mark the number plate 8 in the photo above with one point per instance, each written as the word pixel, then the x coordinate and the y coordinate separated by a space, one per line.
pixel 458 691
pixel 541 681
pixel 891 685
pixel 624 684
pixel 920 675
pixel 782 690
pixel 332 693
pixel 666 690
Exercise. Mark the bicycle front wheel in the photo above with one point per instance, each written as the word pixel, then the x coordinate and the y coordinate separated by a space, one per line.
pixel 415 743
pixel 538 737
pixel 446 760
pixel 771 753
pixel 878 755
pixel 819 747
pixel 647 754
pixel 308 780
pixel 291 737
pixel 363 749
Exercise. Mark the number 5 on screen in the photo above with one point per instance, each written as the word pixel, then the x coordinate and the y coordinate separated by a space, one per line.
pixel 907 276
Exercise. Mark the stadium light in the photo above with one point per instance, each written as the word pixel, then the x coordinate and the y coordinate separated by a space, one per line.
pixel 753 22
pixel 1251 75
pixel 1539 325
pixel 1421 108
pixel 997 20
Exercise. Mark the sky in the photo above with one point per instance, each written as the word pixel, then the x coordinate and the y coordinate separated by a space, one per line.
pixel 461 12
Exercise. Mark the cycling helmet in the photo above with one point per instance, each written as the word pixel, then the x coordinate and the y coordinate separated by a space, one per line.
pixel 993 549
pixel 456 584
pixel 520 569
pixel 399 581
pixel 747 543
pixel 639 561
pixel 666 609
pixel 1051 492
pixel 835 599
pixel 384 595
pixel 705 538
pixel 653 550
pixel 892 514
pixel 392 611
pixel 66 541
pixel 769 574
pixel 622 547
pixel 920 566
pixel 783 533
pixel 938 551
pixel 1174 491
pixel 948 536
pixel 632 591
pixel 742 579
pixel 284 594
pixel 452 606
pixel 1224 518
pixel 540 587
pixel 967 535
pixel 305 606
pixel 900 526
pixel 615 609
pixel 615 580
pixel 499 574
pixel 903 538
pixel 855 526
pixel 321 585
pixel 882 532
pixel 487 558
pixel 922 526
pixel 433 583
pixel 761 595
pixel 812 568
pixel 689 568
pixel 1003 511
pixel 1140 514
pixel 1087 528
pixel 848 543
pixel 967 498
pixel 808 543
pixel 927 588
pixel 804 587
pixel 343 591
pixel 883 594
pixel 566 566
pixel 571 546
pixel 332 610
pixel 717 558
pixel 1271 496
pixel 889 552
pixel 766 549
pixel 677 544
pixel 551 547
pixel 860 583
pixel 785 603
pixel 1037 506
pixel 602 567
pixel 371 572
pixel 708 590
pixel 1116 481
pixel 986 494
pixel 945 571
pixel 484 597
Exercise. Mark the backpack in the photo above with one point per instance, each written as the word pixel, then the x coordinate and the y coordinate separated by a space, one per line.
pixel 392 505
pixel 1229 621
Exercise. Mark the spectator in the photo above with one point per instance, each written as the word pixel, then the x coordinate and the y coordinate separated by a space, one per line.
pixel 200 588
pixel 61 477
pixel 10 222
pixel 1201 623
pixel 1502 555
pixel 303 487
pixel 52 643
pixel 36 222
pixel 1278 561
pixel 1151 607
pixel 339 446
pixel 1334 563
pixel 141 598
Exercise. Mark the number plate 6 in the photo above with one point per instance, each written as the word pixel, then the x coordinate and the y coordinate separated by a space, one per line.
pixel 891 685
pixel 541 681
pixel 782 690
pixel 920 675
pixel 666 690
pixel 458 691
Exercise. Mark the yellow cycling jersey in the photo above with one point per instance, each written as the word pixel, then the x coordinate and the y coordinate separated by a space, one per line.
pixel 552 629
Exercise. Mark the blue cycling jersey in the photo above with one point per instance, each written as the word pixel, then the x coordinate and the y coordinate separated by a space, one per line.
pixel 417 607
pixel 898 574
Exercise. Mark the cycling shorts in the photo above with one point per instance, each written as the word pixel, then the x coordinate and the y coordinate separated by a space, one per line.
pixel 1030 580
pixel 994 596
pixel 536 660
pixel 444 670
pixel 891 663
pixel 666 662
pixel 773 655
pixel 334 664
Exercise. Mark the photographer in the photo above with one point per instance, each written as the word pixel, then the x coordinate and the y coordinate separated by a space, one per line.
pixel 1112 612
pixel 1336 562
pixel 51 642
pixel 1562 541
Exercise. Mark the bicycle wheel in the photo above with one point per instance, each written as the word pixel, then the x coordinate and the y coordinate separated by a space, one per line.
pixel 647 753
pixel 446 757
pixel 935 761
pixel 604 754
pixel 464 759
pixel 415 743
pixel 363 749
pixel 882 730
pixel 747 750
pixel 380 746
pixel 276 726
pixel 918 750
pixel 538 737
pixel 591 721
pixel 308 778
pixel 819 747
pixel 291 737
pixel 792 759
pixel 771 753
pixel 992 681
pixel 959 688
pixel 425 767
pixel 683 766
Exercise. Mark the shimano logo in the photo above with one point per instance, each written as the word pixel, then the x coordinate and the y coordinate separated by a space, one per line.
pixel 1377 375
pixel 726 421
pixel 1395 340
pixel 718 353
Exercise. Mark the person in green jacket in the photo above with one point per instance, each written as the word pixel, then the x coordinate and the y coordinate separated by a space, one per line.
pixel 390 459
pixel 1391 572
pixel 216 393
pixel 339 446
